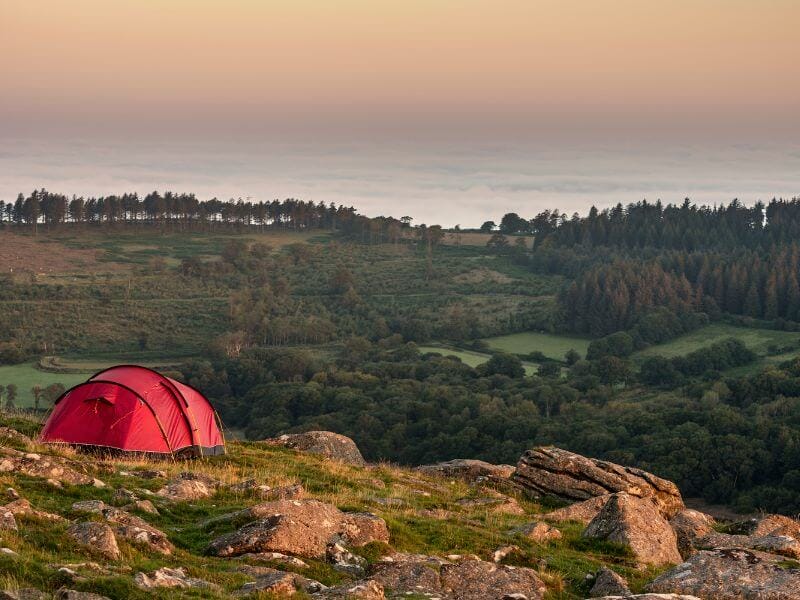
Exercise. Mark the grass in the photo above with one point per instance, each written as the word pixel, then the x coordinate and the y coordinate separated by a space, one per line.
pixel 769 344
pixel 551 345
pixel 429 520
pixel 472 358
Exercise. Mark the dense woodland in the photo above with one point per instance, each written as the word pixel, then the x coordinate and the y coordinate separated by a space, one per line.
pixel 326 333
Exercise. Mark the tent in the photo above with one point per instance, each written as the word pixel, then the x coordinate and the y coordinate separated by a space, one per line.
pixel 130 408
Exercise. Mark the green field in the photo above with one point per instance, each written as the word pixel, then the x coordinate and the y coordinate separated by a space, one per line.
pixel 26 375
pixel 758 340
pixel 29 374
pixel 551 345
pixel 471 358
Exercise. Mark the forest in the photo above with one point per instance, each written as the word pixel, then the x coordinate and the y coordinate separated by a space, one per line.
pixel 293 315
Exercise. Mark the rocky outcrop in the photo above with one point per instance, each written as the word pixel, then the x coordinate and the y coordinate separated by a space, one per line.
pixel 24 594
pixel 538 532
pixel 409 574
pixel 582 512
pixel 7 520
pixel 188 486
pixel 768 525
pixel 166 577
pixel 498 503
pixel 636 522
pixel 690 525
pixel 344 560
pixel 473 471
pixel 299 527
pixel 265 492
pixel 731 574
pixel 609 583
pixel 481 580
pixel 12 436
pixel 360 590
pixel 462 579
pixel 274 582
pixel 53 468
pixel 359 529
pixel 550 471
pixel 130 527
pixel 96 537
pixel 328 444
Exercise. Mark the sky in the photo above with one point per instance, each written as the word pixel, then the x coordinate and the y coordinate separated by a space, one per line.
pixel 458 110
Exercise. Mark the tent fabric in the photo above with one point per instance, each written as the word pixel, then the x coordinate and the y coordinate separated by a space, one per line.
pixel 135 409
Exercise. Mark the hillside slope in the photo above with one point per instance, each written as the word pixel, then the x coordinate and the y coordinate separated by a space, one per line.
pixel 111 526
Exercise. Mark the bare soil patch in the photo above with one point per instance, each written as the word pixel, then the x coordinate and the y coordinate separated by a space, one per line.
pixel 29 254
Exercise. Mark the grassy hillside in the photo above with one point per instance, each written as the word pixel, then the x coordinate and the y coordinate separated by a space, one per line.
pixel 424 515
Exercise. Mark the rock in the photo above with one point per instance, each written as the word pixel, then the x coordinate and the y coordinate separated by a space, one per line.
pixel 689 525
pixel 142 505
pixel 650 597
pixel 775 544
pixel 146 474
pixel 12 494
pixel 582 512
pixel 137 530
pixel 265 492
pixel 408 575
pixel 277 557
pixel 25 594
pixel 60 470
pixel 360 590
pixel 609 583
pixel 498 504
pixel 503 551
pixel 468 469
pixel 8 435
pixel 189 486
pixel 89 506
pixel 273 581
pixel 66 594
pixel 538 532
pixel 481 580
pixel 23 507
pixel 328 444
pixel 300 527
pixel 550 471
pixel 768 525
pixel 359 529
pixel 731 574
pixel 278 583
pixel 8 551
pixel 344 560
pixel 97 537
pixel 123 496
pixel 636 522
pixel 165 577
pixel 7 520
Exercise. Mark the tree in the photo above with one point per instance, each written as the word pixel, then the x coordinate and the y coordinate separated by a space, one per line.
pixel 505 364
pixel 488 226
pixel 513 223
pixel 498 242
pixel 572 356
pixel 549 369
pixel 52 392
pixel 37 395
pixel 11 396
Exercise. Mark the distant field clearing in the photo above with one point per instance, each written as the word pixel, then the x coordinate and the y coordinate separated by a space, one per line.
pixel 473 359
pixel 551 345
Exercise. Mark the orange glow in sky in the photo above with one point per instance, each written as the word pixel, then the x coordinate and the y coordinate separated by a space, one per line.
pixel 131 62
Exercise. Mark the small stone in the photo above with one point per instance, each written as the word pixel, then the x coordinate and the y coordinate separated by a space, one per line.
pixel 344 560
pixel 166 577
pixel 503 551
pixel 538 532
pixel 97 537
pixel 609 583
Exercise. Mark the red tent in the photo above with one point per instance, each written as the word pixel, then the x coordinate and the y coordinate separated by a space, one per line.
pixel 134 409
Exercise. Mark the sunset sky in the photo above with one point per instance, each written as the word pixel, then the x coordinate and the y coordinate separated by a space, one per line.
pixel 475 73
